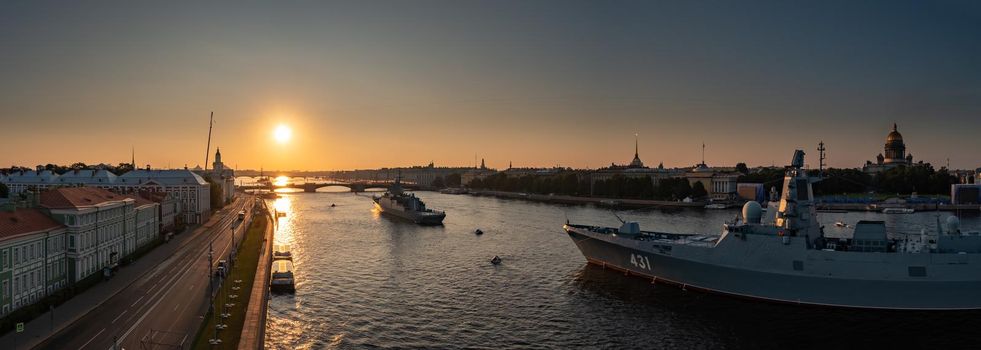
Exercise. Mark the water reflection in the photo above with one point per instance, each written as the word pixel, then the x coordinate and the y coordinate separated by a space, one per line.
pixel 368 282
pixel 281 181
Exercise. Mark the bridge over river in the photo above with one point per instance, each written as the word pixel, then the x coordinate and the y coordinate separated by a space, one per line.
pixel 311 185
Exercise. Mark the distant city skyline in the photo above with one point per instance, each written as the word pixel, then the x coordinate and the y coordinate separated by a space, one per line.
pixel 539 84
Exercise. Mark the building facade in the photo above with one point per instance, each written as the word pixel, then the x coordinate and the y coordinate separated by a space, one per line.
pixel 32 257
pixel 168 213
pixel 220 174
pixel 102 227
pixel 190 189
pixel 721 184
pixel 635 169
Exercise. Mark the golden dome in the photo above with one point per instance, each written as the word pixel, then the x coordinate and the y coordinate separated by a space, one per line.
pixel 894 135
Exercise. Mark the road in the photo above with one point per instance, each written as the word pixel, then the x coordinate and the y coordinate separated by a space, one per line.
pixel 171 296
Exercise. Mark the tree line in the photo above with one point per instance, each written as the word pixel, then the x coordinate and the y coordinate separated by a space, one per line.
pixel 922 179
pixel 62 169
pixel 573 184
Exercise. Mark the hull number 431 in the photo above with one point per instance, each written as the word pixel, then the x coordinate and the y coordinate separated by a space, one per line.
pixel 640 261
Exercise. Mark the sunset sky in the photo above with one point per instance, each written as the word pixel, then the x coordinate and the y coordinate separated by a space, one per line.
pixel 366 84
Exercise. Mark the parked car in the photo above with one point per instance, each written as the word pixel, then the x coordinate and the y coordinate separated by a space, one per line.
pixel 222 269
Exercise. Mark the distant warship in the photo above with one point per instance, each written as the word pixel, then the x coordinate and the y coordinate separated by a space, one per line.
pixel 407 206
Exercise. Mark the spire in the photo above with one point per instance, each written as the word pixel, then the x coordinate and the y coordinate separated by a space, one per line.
pixel 894 127
pixel 703 152
pixel 636 147
pixel 133 160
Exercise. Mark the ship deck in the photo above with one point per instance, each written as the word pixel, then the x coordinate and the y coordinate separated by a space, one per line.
pixel 693 239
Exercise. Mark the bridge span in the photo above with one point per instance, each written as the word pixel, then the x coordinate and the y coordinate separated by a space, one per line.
pixel 312 186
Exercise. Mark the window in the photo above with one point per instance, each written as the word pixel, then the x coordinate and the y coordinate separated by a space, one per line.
pixel 16 257
pixel 71 241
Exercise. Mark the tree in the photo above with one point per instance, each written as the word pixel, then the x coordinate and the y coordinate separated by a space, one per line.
pixel 4 191
pixel 741 167
pixel 453 180
pixel 217 194
pixel 438 182
pixel 698 190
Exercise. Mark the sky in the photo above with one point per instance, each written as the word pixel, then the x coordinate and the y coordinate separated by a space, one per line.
pixel 368 84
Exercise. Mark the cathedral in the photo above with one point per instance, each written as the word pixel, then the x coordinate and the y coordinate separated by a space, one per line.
pixel 895 154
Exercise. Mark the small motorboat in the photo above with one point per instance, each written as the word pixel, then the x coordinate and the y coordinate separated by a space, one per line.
pixel 841 224
pixel 478 232
pixel 496 260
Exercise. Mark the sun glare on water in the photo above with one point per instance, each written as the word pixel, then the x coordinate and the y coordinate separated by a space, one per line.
pixel 283 133
pixel 281 181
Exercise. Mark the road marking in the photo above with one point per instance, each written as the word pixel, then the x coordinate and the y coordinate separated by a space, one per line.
pixel 171 282
pixel 192 287
pixel 175 306
pixel 93 338
pixel 137 300
pixel 117 317
pixel 147 312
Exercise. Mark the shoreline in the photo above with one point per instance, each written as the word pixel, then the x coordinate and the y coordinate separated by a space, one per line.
pixel 650 203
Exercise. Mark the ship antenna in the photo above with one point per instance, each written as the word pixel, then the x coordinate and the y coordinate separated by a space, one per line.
pixel 821 158
pixel 618 217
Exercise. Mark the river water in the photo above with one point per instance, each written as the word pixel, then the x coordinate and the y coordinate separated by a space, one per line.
pixel 368 281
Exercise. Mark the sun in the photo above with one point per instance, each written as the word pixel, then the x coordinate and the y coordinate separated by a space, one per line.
pixel 282 133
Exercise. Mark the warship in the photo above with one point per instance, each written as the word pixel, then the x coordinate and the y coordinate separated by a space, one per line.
pixel 398 203
pixel 787 258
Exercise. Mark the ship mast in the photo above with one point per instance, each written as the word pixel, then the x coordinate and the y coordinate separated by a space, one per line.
pixel 821 159
pixel 211 123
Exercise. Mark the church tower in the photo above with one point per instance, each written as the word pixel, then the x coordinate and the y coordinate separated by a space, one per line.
pixel 218 167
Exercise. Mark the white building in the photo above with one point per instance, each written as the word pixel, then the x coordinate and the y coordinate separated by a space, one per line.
pixel 102 227
pixel 190 189
pixel 168 215
pixel 146 226
pixel 225 176
pixel 32 257
pixel 719 183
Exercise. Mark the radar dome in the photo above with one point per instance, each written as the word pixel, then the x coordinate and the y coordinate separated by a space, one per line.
pixel 752 212
pixel 953 225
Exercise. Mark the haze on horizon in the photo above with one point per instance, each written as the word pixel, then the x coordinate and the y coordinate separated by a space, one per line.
pixel 536 83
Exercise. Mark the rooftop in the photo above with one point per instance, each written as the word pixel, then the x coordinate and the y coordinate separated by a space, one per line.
pixel 22 221
pixel 78 197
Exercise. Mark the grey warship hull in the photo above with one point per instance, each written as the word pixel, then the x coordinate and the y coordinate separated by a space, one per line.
pixel 788 258
pixel 402 205
pixel 426 219
pixel 788 286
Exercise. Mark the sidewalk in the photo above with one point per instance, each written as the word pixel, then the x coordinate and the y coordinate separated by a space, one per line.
pixel 42 327
pixel 253 331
